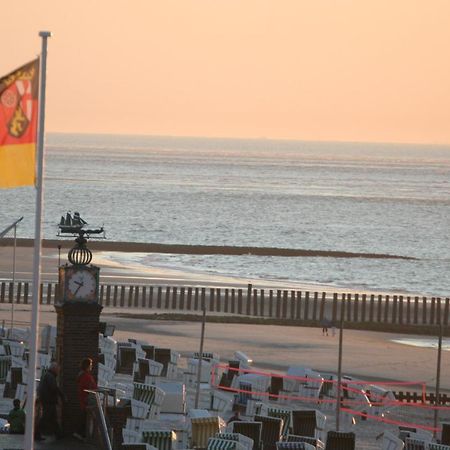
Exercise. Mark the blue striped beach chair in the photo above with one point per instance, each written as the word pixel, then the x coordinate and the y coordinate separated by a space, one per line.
pixel 244 440
pixel 284 414
pixel 161 439
pixel 224 444
pixel 203 428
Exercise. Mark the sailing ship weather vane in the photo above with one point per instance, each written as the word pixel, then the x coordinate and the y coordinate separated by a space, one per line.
pixel 76 226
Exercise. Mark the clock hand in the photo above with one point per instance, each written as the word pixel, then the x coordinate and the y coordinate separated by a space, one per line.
pixel 78 288
pixel 78 282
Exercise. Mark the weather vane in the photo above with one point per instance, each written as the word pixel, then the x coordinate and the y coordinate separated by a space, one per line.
pixel 76 226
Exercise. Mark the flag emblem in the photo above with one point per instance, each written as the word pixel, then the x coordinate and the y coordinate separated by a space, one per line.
pixel 18 125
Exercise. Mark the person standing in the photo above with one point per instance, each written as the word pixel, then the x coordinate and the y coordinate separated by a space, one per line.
pixel 85 381
pixel 16 419
pixel 49 393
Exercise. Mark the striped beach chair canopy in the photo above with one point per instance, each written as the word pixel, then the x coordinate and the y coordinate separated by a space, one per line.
pixel 285 415
pixel 415 444
pixel 295 446
pixel 432 446
pixel 244 440
pixel 317 443
pixel 161 439
pixel 148 394
pixel 224 444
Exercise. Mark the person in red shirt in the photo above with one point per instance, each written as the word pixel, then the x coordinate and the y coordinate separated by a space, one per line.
pixel 85 381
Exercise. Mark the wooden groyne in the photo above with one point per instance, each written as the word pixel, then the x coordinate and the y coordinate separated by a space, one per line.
pixel 369 311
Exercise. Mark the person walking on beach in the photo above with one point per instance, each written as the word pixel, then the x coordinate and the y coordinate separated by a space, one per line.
pixel 16 419
pixel 324 327
pixel 49 393
pixel 85 381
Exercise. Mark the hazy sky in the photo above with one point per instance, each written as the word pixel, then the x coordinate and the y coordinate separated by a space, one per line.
pixel 358 70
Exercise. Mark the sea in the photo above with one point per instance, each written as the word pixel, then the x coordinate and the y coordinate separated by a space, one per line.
pixel 355 197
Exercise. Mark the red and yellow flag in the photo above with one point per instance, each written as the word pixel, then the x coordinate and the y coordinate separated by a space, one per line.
pixel 18 125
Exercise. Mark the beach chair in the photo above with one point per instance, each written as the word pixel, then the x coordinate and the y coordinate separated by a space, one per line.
pixel 433 446
pixel 250 429
pixel 126 357
pixel 137 446
pixel 445 435
pixel 285 415
pixel 255 407
pixel 245 441
pixel 203 428
pixel 147 400
pixel 220 401
pixel 5 365
pixel 205 374
pixel 308 423
pixel 131 436
pixel 390 441
pixel 294 446
pixel 161 439
pixel 415 444
pixel 317 443
pixel 340 441
pixel 224 444
pixel 270 431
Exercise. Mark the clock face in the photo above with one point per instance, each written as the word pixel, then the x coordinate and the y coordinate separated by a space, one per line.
pixel 81 285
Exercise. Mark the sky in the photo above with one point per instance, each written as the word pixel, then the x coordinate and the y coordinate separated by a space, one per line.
pixel 333 70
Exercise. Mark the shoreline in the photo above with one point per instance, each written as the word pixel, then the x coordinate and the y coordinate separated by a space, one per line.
pixel 184 249
pixel 116 265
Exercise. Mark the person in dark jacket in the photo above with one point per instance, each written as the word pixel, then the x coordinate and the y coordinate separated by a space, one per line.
pixel 16 418
pixel 85 381
pixel 49 393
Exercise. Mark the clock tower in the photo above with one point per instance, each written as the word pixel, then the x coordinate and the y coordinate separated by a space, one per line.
pixel 78 325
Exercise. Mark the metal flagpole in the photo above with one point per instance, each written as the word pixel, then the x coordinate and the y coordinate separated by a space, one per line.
pixel 14 274
pixel 200 356
pixel 438 380
pixel 31 388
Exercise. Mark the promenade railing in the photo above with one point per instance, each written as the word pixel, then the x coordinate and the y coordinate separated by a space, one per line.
pixel 285 305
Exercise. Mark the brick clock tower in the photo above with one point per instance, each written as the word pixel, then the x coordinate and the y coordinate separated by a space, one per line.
pixel 78 325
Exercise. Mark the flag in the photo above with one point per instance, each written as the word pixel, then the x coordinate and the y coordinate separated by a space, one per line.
pixel 18 125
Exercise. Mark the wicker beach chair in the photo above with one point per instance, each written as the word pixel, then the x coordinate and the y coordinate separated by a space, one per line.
pixel 295 446
pixel 340 441
pixel 270 431
pixel 203 428
pixel 432 446
pixel 137 446
pixel 317 443
pixel 390 442
pixel 146 401
pixel 415 444
pixel 244 440
pixel 250 429
pixel 285 415
pixel 161 439
pixel 309 422
pixel 224 444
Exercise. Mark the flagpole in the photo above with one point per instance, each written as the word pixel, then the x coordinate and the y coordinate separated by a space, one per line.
pixel 31 388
